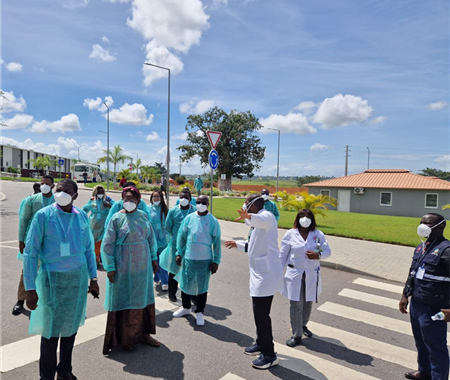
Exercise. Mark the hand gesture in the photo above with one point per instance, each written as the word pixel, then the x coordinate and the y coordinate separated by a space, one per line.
pixel 446 314
pixel 94 289
pixel 312 255
pixel 213 267
pixel 230 244
pixel 155 266
pixel 403 304
pixel 32 299
pixel 111 276
pixel 243 214
pixel 21 246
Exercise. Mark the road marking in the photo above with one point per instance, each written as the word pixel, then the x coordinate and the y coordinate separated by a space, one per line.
pixel 369 318
pixel 11 241
pixel 379 285
pixel 2 196
pixel 7 246
pixel 380 350
pixel 26 351
pixel 314 367
pixel 231 376
pixel 370 298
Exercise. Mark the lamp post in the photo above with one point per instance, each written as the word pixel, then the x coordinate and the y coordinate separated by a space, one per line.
pixel 79 146
pixel 137 158
pixel 107 147
pixel 278 158
pixel 168 128
pixel 368 158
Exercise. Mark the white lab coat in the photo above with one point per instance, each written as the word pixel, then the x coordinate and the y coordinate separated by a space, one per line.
pixel 293 251
pixel 266 272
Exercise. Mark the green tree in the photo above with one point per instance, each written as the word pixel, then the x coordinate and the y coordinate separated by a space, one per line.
pixel 430 172
pixel 138 165
pixel 116 156
pixel 240 151
pixel 150 172
pixel 161 168
pixel 309 179
pixel 318 204
pixel 40 162
pixel 445 206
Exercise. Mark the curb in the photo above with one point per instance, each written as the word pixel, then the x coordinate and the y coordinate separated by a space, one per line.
pixel 2 197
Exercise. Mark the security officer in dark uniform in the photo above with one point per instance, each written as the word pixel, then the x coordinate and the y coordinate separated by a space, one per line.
pixel 428 285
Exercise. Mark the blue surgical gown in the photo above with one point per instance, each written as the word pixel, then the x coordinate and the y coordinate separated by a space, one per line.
pixel 273 208
pixel 174 219
pixel 198 244
pixel 128 248
pixel 117 206
pixel 97 218
pixel 193 202
pixel 158 225
pixel 63 244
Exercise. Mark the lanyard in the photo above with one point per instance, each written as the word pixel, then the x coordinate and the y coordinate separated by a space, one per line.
pixel 424 252
pixel 64 232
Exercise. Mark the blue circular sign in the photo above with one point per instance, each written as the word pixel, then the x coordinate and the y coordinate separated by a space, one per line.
pixel 61 161
pixel 213 159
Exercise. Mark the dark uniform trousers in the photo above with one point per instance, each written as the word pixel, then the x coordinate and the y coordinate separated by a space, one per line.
pixel 261 313
pixel 48 359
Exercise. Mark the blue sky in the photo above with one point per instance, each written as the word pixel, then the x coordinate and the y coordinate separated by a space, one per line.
pixel 326 73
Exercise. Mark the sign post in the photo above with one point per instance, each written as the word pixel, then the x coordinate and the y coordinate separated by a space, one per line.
pixel 213 138
pixel 60 163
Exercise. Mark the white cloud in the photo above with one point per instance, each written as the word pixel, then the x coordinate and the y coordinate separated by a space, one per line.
pixel 11 103
pixel 290 123
pixel 97 104
pixel 317 148
pixel 19 121
pixel 152 137
pixel 101 54
pixel 305 107
pixel 445 161
pixel 181 136
pixel 105 39
pixel 52 149
pixel 341 110
pixel 2 61
pixel 134 114
pixel 437 106
pixel 14 67
pixel 193 108
pixel 68 123
pixel 378 120
pixel 167 25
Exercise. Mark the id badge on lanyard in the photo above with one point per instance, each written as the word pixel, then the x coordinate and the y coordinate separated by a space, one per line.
pixel 64 245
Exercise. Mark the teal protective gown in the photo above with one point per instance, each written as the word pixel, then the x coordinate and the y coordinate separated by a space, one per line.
pixel 157 225
pixel 117 206
pixel 97 218
pixel 273 208
pixel 28 208
pixel 63 244
pixel 198 184
pixel 198 244
pixel 173 222
pixel 193 202
pixel 128 248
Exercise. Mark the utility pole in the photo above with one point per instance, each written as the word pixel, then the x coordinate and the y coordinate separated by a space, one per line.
pixel 346 160
pixel 368 158
pixel 180 167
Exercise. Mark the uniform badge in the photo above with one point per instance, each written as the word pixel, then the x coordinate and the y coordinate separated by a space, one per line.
pixel 435 252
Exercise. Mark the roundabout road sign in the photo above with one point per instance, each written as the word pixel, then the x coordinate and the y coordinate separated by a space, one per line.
pixel 213 159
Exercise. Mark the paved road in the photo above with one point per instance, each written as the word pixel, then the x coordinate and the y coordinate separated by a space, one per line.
pixel 359 333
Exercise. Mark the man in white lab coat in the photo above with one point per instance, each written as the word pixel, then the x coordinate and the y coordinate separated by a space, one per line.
pixel 266 274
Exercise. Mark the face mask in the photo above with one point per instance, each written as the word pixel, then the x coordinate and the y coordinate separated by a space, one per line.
pixel 424 231
pixel 265 197
pixel 201 208
pixel 99 196
pixel 45 189
pixel 247 207
pixel 63 199
pixel 305 222
pixel 184 202
pixel 129 206
pixel 156 203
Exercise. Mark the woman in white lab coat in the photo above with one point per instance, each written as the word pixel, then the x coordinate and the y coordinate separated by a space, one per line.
pixel 302 248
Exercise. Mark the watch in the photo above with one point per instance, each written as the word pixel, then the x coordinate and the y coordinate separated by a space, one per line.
pixel 94 279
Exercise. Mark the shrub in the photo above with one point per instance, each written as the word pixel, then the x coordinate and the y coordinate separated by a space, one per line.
pixel 180 179
pixel 13 170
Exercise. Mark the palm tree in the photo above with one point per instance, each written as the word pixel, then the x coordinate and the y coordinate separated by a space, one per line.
pixel 318 204
pixel 40 162
pixel 116 156
pixel 150 172
pixel 445 206
pixel 137 165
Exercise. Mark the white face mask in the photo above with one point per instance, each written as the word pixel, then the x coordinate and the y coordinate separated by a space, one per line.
pixel 156 203
pixel 305 222
pixel 184 202
pixel 129 206
pixel 424 231
pixel 265 197
pixel 247 206
pixel 62 198
pixel 201 208
pixel 99 196
pixel 45 188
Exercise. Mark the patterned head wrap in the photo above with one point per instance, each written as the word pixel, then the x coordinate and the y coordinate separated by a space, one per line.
pixel 133 190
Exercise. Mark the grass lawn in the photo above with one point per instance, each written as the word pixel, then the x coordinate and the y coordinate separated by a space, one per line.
pixel 272 182
pixel 380 228
pixel 25 179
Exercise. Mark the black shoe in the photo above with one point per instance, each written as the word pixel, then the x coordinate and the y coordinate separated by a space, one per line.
pixel 416 375
pixel 307 332
pixel 252 350
pixel 294 341
pixel 264 362
pixel 70 376
pixel 172 298
pixel 18 308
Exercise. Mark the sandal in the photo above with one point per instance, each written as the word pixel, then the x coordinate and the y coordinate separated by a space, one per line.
pixel 151 341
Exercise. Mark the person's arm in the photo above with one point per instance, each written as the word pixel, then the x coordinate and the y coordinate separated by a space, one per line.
pixel 285 249
pixel 324 245
pixel 182 238
pixel 87 206
pixel 107 250
pixel 217 246
pixel 242 245
pixel 114 208
pixel 24 218
pixel 32 250
pixel 276 212
pixel 259 221
pixel 403 304
pixel 169 222
pixel 89 248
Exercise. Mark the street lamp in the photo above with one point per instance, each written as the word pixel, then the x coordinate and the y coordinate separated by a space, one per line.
pixel 278 159
pixel 137 158
pixel 168 127
pixel 107 147
pixel 368 158
pixel 79 146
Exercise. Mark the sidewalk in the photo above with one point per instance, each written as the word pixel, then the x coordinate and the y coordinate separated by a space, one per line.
pixel 387 261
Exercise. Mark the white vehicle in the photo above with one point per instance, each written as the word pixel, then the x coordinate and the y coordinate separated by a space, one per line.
pixel 89 169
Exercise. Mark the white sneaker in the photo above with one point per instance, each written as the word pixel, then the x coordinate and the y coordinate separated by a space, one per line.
pixel 181 312
pixel 200 319
pixel 164 287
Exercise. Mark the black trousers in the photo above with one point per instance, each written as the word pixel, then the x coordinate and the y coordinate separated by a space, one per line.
pixel 199 300
pixel 173 285
pixel 47 361
pixel 261 313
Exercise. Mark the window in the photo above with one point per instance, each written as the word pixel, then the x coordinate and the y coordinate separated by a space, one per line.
pixel 431 200
pixel 385 199
pixel 81 168
pixel 325 192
